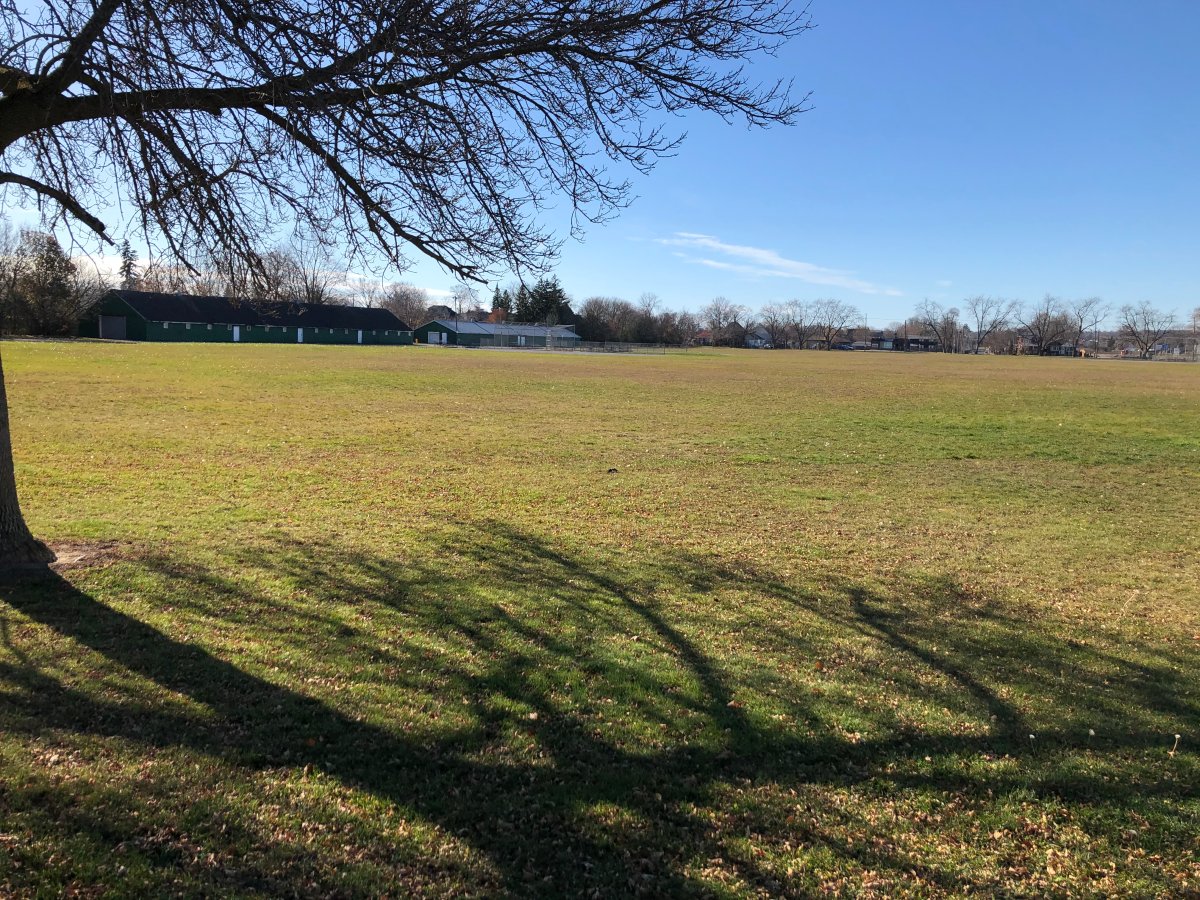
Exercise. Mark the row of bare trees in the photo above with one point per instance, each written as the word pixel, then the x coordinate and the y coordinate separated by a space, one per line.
pixel 1049 322
pixel 1042 324
pixel 646 322
pixel 794 323
pixel 43 291
pixel 804 324
pixel 981 322
pixel 1039 327
pixel 300 273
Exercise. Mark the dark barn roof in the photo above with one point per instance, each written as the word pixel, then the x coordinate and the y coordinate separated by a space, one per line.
pixel 156 307
pixel 505 328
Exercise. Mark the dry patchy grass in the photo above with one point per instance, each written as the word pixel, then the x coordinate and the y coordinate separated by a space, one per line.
pixel 375 620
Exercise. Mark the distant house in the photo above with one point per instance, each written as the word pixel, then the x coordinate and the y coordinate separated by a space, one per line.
pixel 758 338
pixel 888 339
pixel 882 340
pixel 916 344
pixel 149 316
pixel 494 334
pixel 1060 348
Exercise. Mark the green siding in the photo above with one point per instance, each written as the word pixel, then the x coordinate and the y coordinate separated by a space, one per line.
pixel 331 335
pixel 135 325
pixel 138 329
pixel 422 333
pixel 268 334
pixel 191 332
pixel 393 338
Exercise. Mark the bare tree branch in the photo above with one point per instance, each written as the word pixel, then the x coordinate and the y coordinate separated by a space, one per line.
pixel 61 197
pixel 71 63
pixel 436 126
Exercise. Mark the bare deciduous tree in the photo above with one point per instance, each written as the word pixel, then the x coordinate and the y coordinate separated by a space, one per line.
pixel 1085 315
pixel 1145 326
pixel 464 300
pixel 988 316
pixel 721 315
pixel 832 317
pixel 687 326
pixel 408 303
pixel 601 318
pixel 800 321
pixel 774 319
pixel 436 128
pixel 315 276
pixel 1044 323
pixel 941 322
pixel 678 328
pixel 401 126
pixel 274 276
pixel 369 294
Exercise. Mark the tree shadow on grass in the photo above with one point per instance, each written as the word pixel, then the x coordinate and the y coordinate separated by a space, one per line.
pixel 572 723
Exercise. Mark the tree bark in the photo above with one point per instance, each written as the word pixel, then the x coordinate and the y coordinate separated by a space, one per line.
pixel 18 547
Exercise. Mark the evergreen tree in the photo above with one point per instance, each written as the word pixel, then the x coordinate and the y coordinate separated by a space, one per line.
pixel 548 302
pixel 522 307
pixel 129 267
pixel 48 298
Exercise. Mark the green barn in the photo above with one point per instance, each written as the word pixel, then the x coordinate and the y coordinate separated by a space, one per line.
pixel 495 334
pixel 150 316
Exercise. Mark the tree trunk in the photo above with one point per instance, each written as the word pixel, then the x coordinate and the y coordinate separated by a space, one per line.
pixel 18 547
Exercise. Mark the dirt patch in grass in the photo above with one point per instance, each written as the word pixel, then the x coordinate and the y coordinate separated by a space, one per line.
pixel 88 554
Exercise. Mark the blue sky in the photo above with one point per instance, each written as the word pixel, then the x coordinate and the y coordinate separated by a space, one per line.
pixel 953 148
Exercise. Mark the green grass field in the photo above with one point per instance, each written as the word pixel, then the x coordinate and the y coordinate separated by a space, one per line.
pixel 367 621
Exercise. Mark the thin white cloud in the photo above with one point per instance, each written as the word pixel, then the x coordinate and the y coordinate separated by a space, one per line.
pixel 764 263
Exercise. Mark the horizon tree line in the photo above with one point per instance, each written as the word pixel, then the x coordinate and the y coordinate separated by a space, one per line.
pixel 984 323
pixel 44 292
pixel 1040 327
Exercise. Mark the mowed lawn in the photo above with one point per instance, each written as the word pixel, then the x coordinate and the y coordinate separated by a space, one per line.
pixel 366 621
